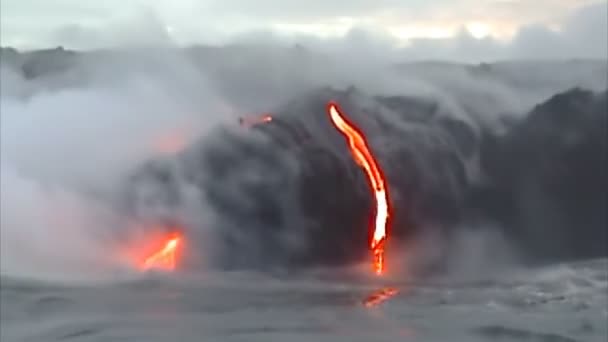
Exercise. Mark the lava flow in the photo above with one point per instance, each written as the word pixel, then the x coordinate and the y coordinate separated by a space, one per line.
pixel 165 258
pixel 363 157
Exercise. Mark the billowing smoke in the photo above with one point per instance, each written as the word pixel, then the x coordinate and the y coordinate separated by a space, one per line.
pixel 69 138
pixel 100 147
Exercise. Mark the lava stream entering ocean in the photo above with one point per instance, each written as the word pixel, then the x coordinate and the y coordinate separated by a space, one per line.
pixel 363 157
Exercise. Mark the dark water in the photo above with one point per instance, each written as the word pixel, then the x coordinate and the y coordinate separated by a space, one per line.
pixel 557 303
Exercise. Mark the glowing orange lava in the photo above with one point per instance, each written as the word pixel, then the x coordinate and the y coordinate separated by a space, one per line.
pixel 249 122
pixel 165 258
pixel 379 296
pixel 363 157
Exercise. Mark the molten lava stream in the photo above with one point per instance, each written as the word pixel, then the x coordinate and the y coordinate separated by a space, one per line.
pixel 164 258
pixel 363 157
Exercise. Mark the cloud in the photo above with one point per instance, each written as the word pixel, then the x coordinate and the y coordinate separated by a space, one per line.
pixel 80 24
pixel 582 34
pixel 309 10
pixel 398 10
pixel 136 29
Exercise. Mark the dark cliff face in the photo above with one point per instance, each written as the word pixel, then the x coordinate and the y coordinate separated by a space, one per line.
pixel 548 178
pixel 288 192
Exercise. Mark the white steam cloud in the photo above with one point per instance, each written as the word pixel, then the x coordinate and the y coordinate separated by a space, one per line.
pixel 64 152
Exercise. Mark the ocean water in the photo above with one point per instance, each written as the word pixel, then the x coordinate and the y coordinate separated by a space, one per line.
pixel 561 303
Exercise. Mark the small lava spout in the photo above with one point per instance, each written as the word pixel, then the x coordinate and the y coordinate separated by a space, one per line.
pixel 165 258
pixel 252 121
pixel 363 157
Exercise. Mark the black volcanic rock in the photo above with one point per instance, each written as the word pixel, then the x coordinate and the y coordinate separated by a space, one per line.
pixel 550 176
pixel 287 193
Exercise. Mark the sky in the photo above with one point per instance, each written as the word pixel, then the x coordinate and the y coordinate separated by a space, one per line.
pixel 558 26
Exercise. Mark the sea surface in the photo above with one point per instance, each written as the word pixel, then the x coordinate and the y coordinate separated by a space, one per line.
pixel 560 303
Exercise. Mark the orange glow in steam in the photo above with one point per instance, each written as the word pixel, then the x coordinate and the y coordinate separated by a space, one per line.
pixel 363 157
pixel 164 258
